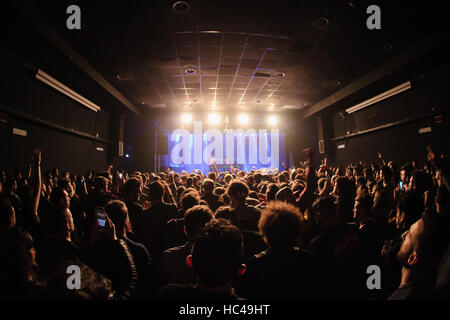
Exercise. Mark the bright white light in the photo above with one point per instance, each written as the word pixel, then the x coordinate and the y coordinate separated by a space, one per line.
pixel 214 118
pixel 186 118
pixel 127 155
pixel 243 119
pixel 272 120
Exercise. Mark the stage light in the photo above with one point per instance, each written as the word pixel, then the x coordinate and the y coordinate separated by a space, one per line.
pixel 214 118
pixel 127 155
pixel 272 120
pixel 186 118
pixel 243 119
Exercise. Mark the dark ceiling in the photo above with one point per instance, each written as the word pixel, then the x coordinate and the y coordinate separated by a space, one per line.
pixel 229 55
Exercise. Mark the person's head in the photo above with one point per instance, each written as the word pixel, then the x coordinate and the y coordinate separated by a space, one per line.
pixel 208 185
pixel 227 178
pixel 101 184
pixel 66 185
pixel 285 194
pixel 368 173
pixel 360 181
pixel 7 215
pixel 418 181
pixel 216 256
pixel 19 254
pixel 156 191
pixel 405 173
pixel 176 178
pixel 422 246
pixel 326 211
pixel 226 212
pixel 409 210
pixel 343 187
pixel 363 209
pixel 189 200
pixel 271 191
pixel 132 190
pixel 442 199
pixel 60 198
pixel 117 211
pixel 195 218
pixel 280 224
pixel 385 174
pixel 218 191
pixel 189 182
pixel 212 176
pixel 64 224
pixel 238 191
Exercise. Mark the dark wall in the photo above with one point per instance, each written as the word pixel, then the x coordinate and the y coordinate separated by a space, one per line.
pixel 23 94
pixel 427 98
pixel 401 144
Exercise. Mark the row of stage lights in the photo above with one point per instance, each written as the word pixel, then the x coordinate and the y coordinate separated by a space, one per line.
pixel 216 118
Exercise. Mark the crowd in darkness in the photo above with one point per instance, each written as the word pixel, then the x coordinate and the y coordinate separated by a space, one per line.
pixel 309 232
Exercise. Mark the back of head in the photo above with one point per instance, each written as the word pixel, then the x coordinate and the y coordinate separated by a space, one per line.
pixel 326 206
pixel 387 173
pixel 442 198
pixel 411 205
pixel 280 224
pixel 58 196
pixel 156 190
pixel 100 183
pixel 420 181
pixel 272 190
pixel 208 185
pixel 432 244
pixel 238 190
pixel 6 214
pixel 365 202
pixel 117 211
pixel 217 253
pixel 195 219
pixel 131 186
pixel 226 212
pixel 212 176
pixel 285 194
pixel 189 200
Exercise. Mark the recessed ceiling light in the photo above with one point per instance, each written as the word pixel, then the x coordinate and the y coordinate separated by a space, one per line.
pixel 181 7
pixel 190 71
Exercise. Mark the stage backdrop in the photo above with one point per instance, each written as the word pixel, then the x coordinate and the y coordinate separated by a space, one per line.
pixel 245 149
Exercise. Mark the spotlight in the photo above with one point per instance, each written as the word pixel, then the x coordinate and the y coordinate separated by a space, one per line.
pixel 214 118
pixel 127 155
pixel 243 119
pixel 186 118
pixel 272 120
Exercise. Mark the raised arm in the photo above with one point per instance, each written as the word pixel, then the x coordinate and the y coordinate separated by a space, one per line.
pixel 37 183
pixel 381 159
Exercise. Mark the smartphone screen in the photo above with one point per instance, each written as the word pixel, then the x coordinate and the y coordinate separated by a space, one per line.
pixel 101 222
pixel 401 185
pixel 101 216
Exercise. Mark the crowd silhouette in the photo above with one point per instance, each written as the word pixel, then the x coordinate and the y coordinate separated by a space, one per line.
pixel 301 233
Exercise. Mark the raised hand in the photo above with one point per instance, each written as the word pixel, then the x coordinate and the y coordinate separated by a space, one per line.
pixel 37 156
